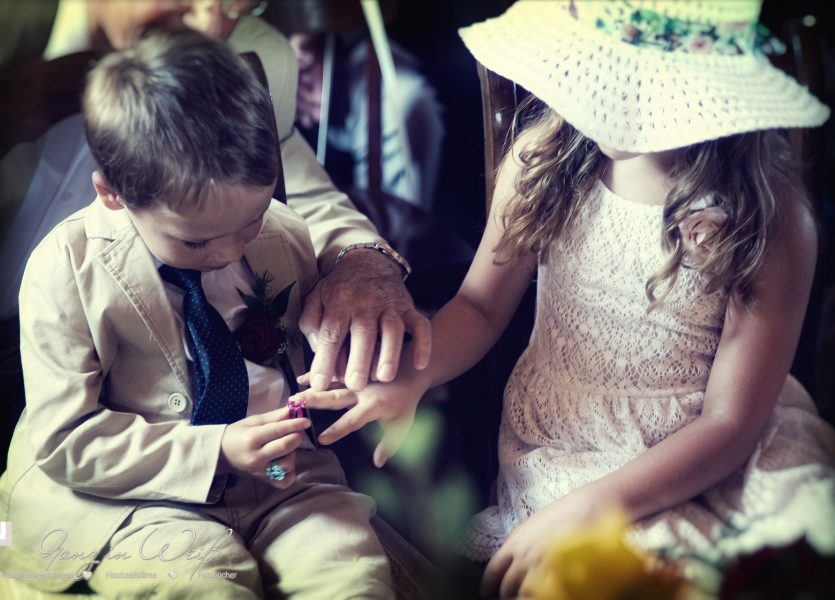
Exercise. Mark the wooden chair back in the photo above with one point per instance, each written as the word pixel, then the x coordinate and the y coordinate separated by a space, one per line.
pixel 330 16
pixel 499 99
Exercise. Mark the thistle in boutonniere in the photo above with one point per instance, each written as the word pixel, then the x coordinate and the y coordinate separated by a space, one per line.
pixel 262 336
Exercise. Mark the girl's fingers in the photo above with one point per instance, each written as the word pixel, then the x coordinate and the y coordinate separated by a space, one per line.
pixel 351 421
pixel 494 572
pixel 512 581
pixel 394 433
pixel 330 400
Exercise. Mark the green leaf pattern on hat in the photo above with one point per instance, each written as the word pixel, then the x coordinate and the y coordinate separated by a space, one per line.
pixel 646 27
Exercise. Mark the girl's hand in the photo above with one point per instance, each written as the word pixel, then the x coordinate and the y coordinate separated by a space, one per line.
pixel 392 405
pixel 525 547
pixel 249 446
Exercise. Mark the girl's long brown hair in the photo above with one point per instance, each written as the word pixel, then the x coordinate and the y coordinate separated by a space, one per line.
pixel 748 175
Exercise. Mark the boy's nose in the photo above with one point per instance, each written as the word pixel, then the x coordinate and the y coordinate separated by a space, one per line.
pixel 231 252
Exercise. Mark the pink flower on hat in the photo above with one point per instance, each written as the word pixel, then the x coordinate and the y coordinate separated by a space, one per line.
pixel 701 44
pixel 698 232
pixel 630 32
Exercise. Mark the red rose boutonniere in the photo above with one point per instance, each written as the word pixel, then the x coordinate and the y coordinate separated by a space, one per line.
pixel 262 336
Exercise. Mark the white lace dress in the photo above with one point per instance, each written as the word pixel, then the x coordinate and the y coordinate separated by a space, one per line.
pixel 602 380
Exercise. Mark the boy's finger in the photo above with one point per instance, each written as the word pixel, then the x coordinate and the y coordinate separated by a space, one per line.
pixel 279 414
pixel 278 429
pixel 285 483
pixel 281 448
pixel 421 330
pixel 392 329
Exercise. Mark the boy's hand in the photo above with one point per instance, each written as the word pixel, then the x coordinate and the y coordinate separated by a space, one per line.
pixel 250 445
pixel 392 405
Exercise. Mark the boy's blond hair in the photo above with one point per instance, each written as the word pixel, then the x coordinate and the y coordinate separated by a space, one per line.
pixel 175 115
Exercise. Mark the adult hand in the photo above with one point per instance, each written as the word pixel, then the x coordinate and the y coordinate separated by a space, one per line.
pixel 364 296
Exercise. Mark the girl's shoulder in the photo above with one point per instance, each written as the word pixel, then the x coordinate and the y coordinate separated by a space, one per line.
pixel 791 250
pixel 797 230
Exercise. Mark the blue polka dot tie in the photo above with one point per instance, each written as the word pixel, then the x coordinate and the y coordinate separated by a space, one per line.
pixel 222 385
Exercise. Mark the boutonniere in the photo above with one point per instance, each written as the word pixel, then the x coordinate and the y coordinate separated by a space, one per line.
pixel 698 233
pixel 262 336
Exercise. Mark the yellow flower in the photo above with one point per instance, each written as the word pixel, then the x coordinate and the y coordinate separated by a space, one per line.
pixel 595 563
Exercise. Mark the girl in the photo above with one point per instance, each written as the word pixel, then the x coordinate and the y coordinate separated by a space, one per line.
pixel 674 251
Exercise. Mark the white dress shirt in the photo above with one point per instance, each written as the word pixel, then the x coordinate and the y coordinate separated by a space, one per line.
pixel 268 387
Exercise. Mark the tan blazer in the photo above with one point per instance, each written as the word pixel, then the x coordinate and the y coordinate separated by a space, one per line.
pixel 106 424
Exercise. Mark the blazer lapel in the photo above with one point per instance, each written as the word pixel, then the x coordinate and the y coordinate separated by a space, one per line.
pixel 268 253
pixel 132 267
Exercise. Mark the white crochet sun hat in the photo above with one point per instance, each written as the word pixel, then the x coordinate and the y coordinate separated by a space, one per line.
pixel 646 75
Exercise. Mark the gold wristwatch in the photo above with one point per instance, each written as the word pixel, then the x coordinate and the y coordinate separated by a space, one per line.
pixel 381 247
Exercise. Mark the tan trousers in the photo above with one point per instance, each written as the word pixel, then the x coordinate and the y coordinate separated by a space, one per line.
pixel 312 541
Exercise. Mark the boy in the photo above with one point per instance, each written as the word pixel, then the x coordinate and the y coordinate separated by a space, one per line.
pixel 152 456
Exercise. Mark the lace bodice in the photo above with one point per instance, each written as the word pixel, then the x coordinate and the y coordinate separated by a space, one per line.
pixel 593 331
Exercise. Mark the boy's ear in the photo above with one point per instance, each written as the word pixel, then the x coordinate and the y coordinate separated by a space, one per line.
pixel 107 194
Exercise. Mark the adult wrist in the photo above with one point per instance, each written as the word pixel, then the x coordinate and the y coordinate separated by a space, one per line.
pixel 380 247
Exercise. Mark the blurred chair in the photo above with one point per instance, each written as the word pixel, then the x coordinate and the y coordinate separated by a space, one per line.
pixel 499 99
pixel 439 258
pixel 329 16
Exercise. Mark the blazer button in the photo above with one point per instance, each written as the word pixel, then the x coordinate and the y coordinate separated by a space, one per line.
pixel 177 402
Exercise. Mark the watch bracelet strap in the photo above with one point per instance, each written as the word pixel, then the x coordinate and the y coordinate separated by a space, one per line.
pixel 381 247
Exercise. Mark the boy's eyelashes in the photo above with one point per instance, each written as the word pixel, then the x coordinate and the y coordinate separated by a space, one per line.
pixel 202 244
pixel 195 245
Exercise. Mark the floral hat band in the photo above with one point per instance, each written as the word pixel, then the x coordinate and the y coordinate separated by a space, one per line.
pixel 646 75
pixel 631 23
